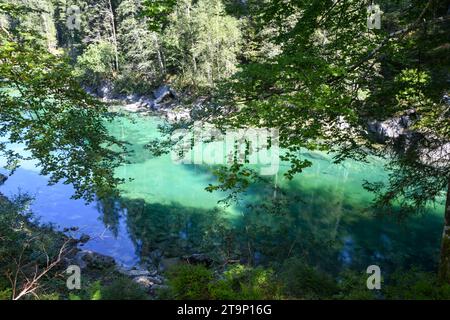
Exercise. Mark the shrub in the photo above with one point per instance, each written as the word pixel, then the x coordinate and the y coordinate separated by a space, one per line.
pixel 305 282
pixel 123 289
pixel 5 294
pixel 22 236
pixel 245 283
pixel 238 283
pixel 49 296
pixel 189 282
pixel 202 43
pixel 416 285
pixel 353 286
pixel 96 64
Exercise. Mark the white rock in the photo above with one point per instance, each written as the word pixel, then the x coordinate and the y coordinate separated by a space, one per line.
pixel 144 282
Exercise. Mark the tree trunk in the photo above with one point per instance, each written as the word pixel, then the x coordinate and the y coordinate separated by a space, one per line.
pixel 444 267
pixel 113 27
pixel 162 68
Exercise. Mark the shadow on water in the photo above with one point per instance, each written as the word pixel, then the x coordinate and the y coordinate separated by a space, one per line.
pixel 322 216
pixel 328 231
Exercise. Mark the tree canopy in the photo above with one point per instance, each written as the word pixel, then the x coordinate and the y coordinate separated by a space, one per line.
pixel 46 110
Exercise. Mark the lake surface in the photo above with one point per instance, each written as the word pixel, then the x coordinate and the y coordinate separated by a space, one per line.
pixel 322 215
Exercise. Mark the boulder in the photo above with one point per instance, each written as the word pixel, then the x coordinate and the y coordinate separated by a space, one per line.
pixel 161 94
pixel 398 130
pixel 384 130
pixel 105 90
pixel 177 115
pixel 132 98
pixel 158 279
pixel 147 281
pixel 437 157
pixel 146 103
pixel 144 282
pixel 391 129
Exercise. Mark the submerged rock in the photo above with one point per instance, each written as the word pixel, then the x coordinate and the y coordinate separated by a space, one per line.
pixel 94 260
pixel 3 179
pixel 316 156
pixel 84 238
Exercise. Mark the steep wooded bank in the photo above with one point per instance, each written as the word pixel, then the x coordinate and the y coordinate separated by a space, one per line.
pixel 113 47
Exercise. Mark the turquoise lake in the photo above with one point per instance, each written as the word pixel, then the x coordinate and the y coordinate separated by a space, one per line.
pixel 322 215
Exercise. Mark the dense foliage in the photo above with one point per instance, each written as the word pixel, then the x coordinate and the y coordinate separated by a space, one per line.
pixel 27 252
pixel 44 108
pixel 192 282
pixel 136 44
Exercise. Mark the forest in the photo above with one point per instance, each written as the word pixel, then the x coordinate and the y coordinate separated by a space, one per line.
pixel 224 150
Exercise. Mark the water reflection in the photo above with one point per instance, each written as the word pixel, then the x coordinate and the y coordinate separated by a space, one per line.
pixel 321 215
pixel 328 230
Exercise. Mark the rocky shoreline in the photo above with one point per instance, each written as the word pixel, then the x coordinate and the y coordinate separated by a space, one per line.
pixel 94 265
pixel 399 132
pixel 163 101
pixel 150 278
pixel 93 262
pixel 98 267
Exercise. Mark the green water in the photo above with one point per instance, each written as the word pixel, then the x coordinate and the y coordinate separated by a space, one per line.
pixel 322 215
